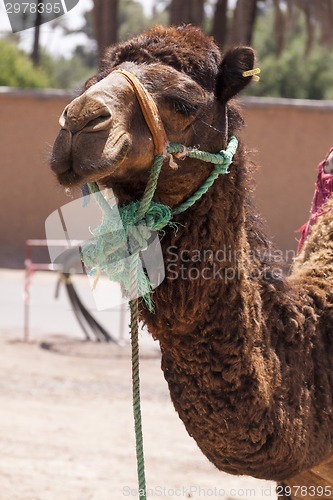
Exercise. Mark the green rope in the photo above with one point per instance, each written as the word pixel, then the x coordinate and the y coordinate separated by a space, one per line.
pixel 157 218
pixel 137 221
pixel 147 197
pixel 221 161
pixel 134 327
pixel 131 225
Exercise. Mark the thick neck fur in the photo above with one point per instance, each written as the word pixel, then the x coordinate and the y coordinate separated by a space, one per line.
pixel 235 339
pixel 218 247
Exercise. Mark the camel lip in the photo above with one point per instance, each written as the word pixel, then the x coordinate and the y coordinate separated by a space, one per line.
pixel 65 172
pixel 69 178
pixel 72 172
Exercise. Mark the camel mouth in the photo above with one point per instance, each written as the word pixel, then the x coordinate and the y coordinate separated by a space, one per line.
pixel 70 178
pixel 76 166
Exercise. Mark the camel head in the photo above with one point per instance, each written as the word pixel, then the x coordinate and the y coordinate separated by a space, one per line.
pixel 104 136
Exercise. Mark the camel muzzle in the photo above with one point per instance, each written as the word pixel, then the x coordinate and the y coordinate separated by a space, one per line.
pixel 86 114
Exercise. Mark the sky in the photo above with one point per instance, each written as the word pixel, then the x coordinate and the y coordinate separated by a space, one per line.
pixel 53 39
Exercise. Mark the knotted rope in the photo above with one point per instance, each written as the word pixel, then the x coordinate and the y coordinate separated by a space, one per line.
pixel 221 162
pixel 122 235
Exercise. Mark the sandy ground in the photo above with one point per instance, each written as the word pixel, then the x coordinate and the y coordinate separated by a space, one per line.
pixel 66 425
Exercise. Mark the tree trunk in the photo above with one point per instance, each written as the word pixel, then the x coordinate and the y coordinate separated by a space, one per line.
pixel 317 14
pixel 220 22
pixel 187 11
pixel 279 26
pixel 105 23
pixel 325 16
pixel 35 55
pixel 243 22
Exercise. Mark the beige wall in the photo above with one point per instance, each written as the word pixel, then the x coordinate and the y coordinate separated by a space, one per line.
pixel 29 193
pixel 290 138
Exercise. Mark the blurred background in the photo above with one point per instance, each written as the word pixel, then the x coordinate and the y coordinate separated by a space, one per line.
pixel 292 38
pixel 65 420
pixel 288 113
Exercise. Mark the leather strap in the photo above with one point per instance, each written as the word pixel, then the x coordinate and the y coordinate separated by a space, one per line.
pixel 149 110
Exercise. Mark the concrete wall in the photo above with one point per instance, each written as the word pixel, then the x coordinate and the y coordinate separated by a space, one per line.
pixel 28 191
pixel 287 139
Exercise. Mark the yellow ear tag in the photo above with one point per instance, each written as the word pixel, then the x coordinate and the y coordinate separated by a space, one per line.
pixel 252 72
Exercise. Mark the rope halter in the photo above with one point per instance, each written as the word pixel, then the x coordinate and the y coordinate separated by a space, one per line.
pixel 139 219
pixel 220 160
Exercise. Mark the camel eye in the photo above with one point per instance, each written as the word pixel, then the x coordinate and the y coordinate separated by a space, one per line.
pixel 184 108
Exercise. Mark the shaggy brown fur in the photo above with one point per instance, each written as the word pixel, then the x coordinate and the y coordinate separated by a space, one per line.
pixel 247 352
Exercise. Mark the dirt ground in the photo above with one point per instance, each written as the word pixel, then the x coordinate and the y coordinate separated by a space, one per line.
pixel 66 425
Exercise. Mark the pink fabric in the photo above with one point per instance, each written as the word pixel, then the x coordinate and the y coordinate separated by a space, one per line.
pixel 323 190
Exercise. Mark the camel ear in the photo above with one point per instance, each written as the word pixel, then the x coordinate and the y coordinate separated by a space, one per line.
pixel 230 79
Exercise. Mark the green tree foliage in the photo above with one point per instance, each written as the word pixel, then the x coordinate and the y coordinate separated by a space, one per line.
pixel 16 69
pixel 132 19
pixel 69 73
pixel 293 74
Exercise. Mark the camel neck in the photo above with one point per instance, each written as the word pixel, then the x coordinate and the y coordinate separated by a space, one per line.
pixel 208 260
pixel 229 330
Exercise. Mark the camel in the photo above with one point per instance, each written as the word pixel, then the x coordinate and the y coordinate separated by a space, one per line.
pixel 246 348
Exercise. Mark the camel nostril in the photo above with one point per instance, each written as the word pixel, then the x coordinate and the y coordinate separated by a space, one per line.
pixel 63 118
pixel 100 122
pixel 86 115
